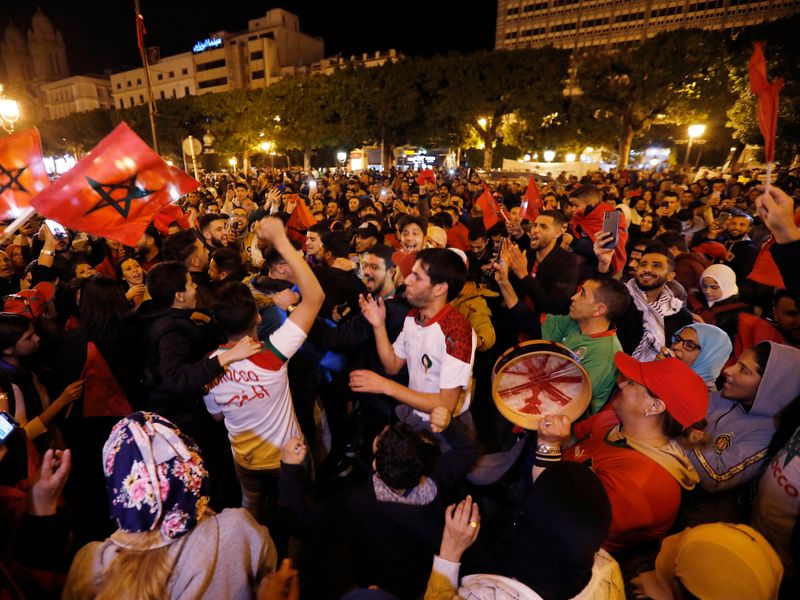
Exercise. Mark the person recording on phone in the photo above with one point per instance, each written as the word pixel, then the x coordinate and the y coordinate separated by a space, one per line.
pixel 731 228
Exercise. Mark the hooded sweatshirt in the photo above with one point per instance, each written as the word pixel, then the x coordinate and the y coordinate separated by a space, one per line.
pixel 739 438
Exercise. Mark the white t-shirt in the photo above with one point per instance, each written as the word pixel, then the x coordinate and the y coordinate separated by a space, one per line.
pixel 439 354
pixel 253 395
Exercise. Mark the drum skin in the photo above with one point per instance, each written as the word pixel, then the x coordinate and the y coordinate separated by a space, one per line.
pixel 539 378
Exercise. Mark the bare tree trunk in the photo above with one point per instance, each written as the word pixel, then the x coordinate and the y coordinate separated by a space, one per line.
pixel 245 162
pixel 624 148
pixel 307 159
pixel 387 156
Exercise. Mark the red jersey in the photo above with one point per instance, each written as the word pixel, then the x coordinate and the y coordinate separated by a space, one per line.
pixel 644 496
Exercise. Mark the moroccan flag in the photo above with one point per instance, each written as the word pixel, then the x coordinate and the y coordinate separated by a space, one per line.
pixel 301 217
pixel 115 190
pixel 427 176
pixel 22 173
pixel 171 213
pixel 531 201
pixel 140 31
pixel 102 395
pixel 489 208
pixel 767 109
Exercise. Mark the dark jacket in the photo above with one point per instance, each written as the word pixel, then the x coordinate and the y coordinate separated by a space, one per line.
pixel 391 545
pixel 341 287
pixel 786 258
pixel 176 362
pixel 555 282
pixel 630 327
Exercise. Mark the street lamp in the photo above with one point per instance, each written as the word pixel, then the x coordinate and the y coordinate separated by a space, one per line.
pixel 695 131
pixel 482 122
pixel 9 112
pixel 570 157
pixel 341 157
pixel 549 155
pixel 232 162
pixel 266 146
pixel 527 158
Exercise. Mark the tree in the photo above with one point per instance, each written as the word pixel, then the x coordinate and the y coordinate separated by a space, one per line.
pixel 782 47
pixel 484 89
pixel 674 77
pixel 77 133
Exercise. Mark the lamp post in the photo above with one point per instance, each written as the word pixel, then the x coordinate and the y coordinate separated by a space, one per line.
pixel 549 155
pixel 232 162
pixel 341 157
pixel 695 131
pixel 9 112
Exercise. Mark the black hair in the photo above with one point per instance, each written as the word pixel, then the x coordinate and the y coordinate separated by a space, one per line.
pixel 587 193
pixel 337 243
pixel 614 294
pixel 383 252
pixel 104 309
pixel 498 228
pixel 738 212
pixel 166 279
pixel 228 260
pixel 477 232
pixel 441 219
pixel 152 232
pixel 656 247
pixel 762 351
pixel 559 218
pixel 234 308
pixel 207 219
pixel 319 228
pixel 41 273
pixel 671 224
pixel 673 238
pixel 267 285
pixel 400 456
pixel 12 328
pixel 444 266
pixel 406 220
pixel 180 246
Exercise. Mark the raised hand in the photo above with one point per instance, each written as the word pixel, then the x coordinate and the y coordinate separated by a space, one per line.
pixel 270 229
pixel 462 523
pixel 374 311
pixel 554 429
pixel 777 210
pixel 49 482
pixel 440 419
pixel 604 255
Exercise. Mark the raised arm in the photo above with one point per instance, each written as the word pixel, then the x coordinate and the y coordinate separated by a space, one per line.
pixel 374 312
pixel 272 231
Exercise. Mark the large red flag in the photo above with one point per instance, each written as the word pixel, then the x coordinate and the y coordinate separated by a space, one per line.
pixel 767 109
pixel 171 213
pixel 488 207
pixel 22 173
pixel 531 201
pixel 302 218
pixel 115 190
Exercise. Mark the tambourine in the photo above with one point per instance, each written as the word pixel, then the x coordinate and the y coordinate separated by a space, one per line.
pixel 538 378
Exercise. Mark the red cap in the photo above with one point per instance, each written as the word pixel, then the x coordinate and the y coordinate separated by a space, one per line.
pixel 713 249
pixel 673 382
pixel 30 303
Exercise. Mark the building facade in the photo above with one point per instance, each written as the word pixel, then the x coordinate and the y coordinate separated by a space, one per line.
pixel 76 94
pixel 574 24
pixel 225 61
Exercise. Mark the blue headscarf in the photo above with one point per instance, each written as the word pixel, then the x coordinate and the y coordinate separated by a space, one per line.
pixel 155 477
pixel 715 350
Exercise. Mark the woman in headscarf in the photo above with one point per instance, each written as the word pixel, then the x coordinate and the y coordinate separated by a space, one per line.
pixel 720 304
pixel 169 544
pixel 705 348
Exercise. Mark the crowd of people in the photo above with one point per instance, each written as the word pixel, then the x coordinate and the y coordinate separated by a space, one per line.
pixel 297 370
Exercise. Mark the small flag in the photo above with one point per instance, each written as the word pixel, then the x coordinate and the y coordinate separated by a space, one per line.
pixel 140 31
pixel 22 173
pixel 531 201
pixel 489 208
pixel 427 176
pixel 302 218
pixel 767 109
pixel 115 190
pixel 171 213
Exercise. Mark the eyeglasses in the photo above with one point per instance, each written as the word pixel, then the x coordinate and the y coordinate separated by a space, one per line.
pixel 688 345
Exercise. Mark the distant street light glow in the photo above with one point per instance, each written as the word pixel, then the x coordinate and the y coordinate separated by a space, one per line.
pixel 549 155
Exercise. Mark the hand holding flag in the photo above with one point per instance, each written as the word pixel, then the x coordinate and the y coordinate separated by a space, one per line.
pixel 489 207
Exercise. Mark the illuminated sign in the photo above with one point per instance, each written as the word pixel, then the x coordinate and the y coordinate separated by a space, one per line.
pixel 206 44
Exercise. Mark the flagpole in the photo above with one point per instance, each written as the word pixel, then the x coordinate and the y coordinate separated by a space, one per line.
pixel 151 109
pixel 23 218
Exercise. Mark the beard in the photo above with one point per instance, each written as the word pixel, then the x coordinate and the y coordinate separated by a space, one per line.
pixel 654 283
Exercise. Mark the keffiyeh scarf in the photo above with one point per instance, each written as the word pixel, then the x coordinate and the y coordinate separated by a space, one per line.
pixel 653 315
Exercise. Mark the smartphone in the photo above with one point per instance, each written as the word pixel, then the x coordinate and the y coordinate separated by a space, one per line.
pixel 611 225
pixel 722 220
pixel 7 426
pixel 57 229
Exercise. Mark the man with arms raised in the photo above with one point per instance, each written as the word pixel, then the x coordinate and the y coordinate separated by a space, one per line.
pixel 437 343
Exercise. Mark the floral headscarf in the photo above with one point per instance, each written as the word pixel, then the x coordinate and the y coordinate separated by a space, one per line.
pixel 155 477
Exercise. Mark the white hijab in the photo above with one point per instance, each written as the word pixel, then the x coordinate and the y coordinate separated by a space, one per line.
pixel 726 280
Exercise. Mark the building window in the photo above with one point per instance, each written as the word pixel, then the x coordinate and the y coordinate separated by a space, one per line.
pixel 214 64
pixel 212 83
pixel 119 86
pixel 131 100
pixel 171 74
pixel 186 90
pixel 269 34
pixel 121 103
pixel 129 84
pixel 141 98
pixel 163 95
pixel 138 82
pixel 184 71
pixel 257 55
pixel 160 76
pixel 257 75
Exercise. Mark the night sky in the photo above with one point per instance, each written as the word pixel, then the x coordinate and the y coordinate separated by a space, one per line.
pixel 101 34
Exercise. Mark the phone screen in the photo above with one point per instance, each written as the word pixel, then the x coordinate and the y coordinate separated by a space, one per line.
pixel 611 225
pixel 723 219
pixel 57 229
pixel 7 425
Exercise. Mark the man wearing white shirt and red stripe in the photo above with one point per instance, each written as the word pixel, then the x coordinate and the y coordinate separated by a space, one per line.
pixel 437 343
